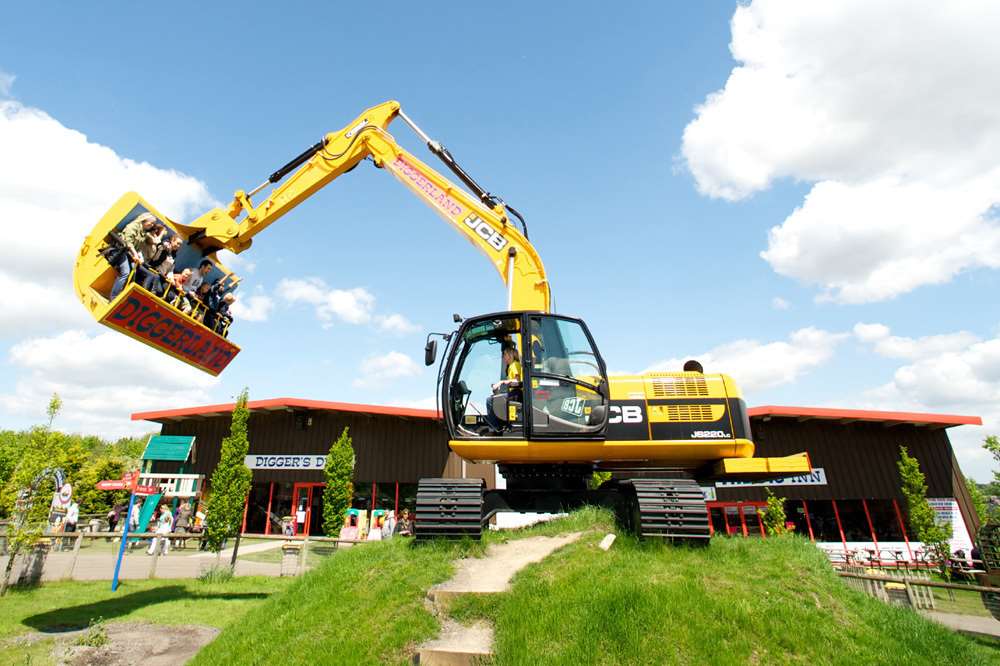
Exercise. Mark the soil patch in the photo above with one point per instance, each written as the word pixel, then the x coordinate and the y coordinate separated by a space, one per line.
pixel 128 644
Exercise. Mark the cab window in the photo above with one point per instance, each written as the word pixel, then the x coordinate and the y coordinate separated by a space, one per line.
pixel 566 379
pixel 486 392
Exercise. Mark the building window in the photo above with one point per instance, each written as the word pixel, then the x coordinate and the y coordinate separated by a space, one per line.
pixel 408 497
pixel 385 496
pixel 823 520
pixel 260 495
pixel 853 520
pixel 362 495
pixel 795 513
pixel 884 520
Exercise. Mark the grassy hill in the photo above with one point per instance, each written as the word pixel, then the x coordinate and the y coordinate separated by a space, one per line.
pixel 736 602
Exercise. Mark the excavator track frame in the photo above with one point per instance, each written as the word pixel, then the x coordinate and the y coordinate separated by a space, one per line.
pixel 449 508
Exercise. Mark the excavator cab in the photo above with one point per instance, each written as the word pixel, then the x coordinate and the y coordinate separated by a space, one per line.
pixel 143 308
pixel 524 375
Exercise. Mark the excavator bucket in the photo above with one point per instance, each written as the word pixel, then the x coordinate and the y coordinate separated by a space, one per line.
pixel 186 329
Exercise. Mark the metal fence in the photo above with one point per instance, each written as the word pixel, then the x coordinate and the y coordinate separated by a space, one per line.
pixel 92 556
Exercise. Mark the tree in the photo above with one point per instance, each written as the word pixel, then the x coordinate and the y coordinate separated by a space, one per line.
pixel 773 516
pixel 339 491
pixel 920 515
pixel 27 485
pixel 230 481
pixel 978 501
pixel 992 444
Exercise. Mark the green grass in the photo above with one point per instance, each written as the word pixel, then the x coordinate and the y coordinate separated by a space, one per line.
pixel 363 605
pixel 56 607
pixel 739 601
pixel 72 605
pixel 962 602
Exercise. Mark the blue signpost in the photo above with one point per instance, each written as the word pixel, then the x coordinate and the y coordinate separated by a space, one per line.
pixel 121 550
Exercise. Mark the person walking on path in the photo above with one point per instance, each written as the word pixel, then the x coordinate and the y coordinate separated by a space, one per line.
pixel 163 527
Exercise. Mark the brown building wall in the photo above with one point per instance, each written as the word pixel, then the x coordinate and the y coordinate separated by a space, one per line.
pixel 387 448
pixel 860 461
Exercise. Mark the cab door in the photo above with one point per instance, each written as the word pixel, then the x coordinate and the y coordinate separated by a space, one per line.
pixel 566 380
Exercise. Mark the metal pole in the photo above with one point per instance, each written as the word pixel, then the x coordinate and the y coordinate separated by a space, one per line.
pixel 121 549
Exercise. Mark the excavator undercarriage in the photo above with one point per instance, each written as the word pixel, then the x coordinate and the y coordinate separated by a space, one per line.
pixel 668 506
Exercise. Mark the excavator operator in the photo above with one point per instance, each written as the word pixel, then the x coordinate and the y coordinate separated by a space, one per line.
pixel 509 385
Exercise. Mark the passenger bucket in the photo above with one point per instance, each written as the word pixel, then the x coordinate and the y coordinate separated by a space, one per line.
pixel 146 308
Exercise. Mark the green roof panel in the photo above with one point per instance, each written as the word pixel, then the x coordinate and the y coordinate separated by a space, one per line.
pixel 168 447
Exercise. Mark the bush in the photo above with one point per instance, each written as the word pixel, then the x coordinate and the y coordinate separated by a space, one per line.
pixel 773 516
pixel 230 481
pixel 216 574
pixel 96 635
pixel 339 491
pixel 934 536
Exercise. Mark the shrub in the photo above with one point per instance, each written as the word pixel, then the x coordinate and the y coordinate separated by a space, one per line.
pixel 339 491
pixel 230 481
pixel 773 516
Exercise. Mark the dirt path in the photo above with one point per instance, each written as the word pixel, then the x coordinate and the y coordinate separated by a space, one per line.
pixel 458 644
pixel 129 644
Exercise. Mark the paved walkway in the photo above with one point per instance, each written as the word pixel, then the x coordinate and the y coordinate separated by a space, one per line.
pixel 137 564
pixel 974 624
pixel 246 548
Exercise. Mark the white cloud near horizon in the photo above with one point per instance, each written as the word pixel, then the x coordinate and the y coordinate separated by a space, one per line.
pixel 952 373
pixel 759 365
pixel 895 123
pixel 377 371
pixel 100 378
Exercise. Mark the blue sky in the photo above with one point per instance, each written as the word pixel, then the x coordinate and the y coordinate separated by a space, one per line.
pixel 578 119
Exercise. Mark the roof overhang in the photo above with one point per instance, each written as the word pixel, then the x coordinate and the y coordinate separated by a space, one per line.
pixel 767 412
pixel 283 405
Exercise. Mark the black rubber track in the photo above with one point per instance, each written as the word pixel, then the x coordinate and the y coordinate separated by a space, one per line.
pixel 672 509
pixel 449 508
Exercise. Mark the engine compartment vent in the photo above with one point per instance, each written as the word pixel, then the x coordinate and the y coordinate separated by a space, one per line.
pixel 677 387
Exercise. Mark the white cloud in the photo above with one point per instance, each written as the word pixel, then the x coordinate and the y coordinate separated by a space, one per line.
pixel 102 380
pixel 55 185
pixel 381 370
pixel 953 373
pixel 252 308
pixel 756 365
pixel 396 323
pixel 352 306
pixel 893 346
pixel 6 83
pixel 778 303
pixel 30 307
pixel 895 121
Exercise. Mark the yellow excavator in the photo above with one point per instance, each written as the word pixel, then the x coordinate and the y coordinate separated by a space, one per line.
pixel 525 388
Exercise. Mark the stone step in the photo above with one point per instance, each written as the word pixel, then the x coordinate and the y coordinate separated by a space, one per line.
pixel 457 645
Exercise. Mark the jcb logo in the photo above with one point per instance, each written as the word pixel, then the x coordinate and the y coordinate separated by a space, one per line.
pixel 624 414
pixel 486 232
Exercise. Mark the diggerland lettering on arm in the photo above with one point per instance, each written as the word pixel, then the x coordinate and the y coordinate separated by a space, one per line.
pixel 434 193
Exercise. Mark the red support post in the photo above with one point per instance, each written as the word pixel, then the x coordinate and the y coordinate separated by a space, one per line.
pixel 902 528
pixel 809 526
pixel 743 520
pixel 840 528
pixel 395 510
pixel 871 527
pixel 267 523
pixel 373 495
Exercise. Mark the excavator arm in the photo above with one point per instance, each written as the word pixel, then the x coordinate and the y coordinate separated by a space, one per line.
pixel 484 223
